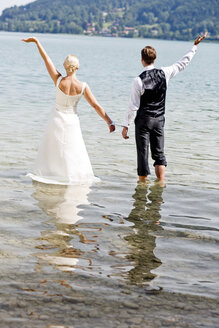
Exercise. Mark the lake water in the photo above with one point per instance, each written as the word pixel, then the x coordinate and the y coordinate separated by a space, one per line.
pixel 114 254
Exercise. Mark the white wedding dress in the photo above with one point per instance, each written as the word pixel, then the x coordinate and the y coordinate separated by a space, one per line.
pixel 62 157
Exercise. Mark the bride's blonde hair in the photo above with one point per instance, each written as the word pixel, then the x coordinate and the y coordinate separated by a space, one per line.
pixel 71 63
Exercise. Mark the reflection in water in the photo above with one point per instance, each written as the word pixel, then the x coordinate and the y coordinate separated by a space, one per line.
pixel 145 216
pixel 62 242
pixel 62 204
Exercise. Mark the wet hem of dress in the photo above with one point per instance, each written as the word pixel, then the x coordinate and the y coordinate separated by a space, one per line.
pixel 63 183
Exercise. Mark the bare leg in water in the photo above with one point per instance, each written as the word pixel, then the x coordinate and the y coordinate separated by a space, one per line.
pixel 142 178
pixel 159 171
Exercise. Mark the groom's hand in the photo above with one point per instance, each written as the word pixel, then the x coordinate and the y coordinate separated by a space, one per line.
pixel 200 38
pixel 124 132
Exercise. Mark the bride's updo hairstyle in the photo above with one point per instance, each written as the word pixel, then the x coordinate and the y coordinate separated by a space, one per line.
pixel 71 63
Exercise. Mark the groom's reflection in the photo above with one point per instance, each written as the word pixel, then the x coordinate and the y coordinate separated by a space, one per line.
pixel 145 216
pixel 61 204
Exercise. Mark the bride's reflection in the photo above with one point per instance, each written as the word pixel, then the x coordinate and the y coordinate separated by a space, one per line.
pixel 145 216
pixel 61 204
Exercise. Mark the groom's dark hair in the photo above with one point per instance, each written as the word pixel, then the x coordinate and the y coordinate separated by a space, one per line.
pixel 148 54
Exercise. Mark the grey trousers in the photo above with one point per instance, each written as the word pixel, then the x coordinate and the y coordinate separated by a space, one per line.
pixel 149 131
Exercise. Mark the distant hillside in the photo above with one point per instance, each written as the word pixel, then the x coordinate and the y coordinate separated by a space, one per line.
pixel 167 19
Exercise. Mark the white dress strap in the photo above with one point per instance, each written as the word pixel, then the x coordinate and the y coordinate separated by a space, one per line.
pixel 84 84
pixel 58 81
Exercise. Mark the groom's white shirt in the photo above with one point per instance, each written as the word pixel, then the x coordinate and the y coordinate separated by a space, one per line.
pixel 137 89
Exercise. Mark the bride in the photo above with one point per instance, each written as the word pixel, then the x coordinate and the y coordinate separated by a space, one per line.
pixel 62 157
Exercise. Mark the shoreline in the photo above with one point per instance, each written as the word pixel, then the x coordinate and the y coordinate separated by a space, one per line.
pixel 112 37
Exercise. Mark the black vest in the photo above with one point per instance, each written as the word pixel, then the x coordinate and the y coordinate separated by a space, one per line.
pixel 153 99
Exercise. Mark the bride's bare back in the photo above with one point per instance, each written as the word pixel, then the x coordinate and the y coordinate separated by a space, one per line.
pixel 70 86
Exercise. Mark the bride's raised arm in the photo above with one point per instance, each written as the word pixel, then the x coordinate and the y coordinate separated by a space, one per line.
pixel 100 111
pixel 47 60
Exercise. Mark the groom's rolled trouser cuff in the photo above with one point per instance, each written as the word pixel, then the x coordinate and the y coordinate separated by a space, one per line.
pixel 149 131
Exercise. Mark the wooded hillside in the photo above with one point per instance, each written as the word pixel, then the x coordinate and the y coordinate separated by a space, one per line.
pixel 167 19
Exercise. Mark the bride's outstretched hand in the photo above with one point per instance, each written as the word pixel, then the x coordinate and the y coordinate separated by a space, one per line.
pixel 32 39
pixel 112 128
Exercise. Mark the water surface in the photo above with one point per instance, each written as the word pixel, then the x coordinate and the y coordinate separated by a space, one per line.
pixel 114 254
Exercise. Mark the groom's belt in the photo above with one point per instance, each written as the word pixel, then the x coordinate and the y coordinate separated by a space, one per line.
pixel 154 115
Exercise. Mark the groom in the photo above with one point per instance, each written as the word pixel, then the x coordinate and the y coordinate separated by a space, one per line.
pixel 147 99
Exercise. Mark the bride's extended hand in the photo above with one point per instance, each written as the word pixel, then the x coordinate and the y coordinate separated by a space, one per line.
pixel 32 39
pixel 112 127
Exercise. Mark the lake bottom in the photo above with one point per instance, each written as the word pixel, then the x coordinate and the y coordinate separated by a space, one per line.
pixel 56 301
pixel 115 254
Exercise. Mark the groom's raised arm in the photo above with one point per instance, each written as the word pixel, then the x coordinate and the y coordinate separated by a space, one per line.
pixel 180 65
